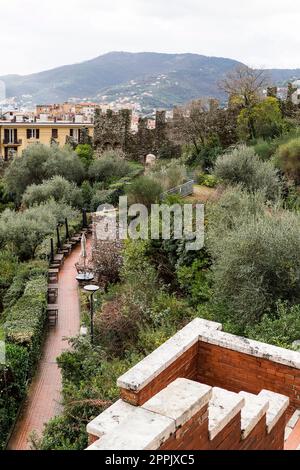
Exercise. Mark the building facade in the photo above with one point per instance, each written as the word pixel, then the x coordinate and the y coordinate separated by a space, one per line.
pixel 16 136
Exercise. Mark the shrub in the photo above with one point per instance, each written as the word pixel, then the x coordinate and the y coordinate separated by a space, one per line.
pixel 288 158
pixel 194 280
pixel 108 168
pixel 58 188
pixel 264 149
pixel 210 181
pixel 8 267
pixel 242 166
pixel 85 153
pixel 281 328
pixel 13 382
pixel 144 190
pixel 234 207
pixel 257 264
pixel 170 175
pixel 39 162
pixel 25 272
pixel 25 321
pixel 114 330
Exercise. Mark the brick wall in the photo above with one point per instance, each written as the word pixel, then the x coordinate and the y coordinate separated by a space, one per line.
pixel 235 371
pixel 185 367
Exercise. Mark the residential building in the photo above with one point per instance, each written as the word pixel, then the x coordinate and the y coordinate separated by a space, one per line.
pixel 17 136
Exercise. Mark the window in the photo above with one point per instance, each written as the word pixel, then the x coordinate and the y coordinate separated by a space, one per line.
pixel 33 134
pixel 54 133
pixel 75 133
pixel 10 136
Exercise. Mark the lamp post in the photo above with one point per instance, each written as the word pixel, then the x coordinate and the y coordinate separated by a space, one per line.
pixel 52 250
pixel 58 237
pixel 92 290
pixel 67 229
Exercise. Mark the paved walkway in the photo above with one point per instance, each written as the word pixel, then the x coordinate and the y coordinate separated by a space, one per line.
pixel 293 442
pixel 43 401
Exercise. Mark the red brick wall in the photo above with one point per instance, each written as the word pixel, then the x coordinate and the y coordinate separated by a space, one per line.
pixel 231 370
pixel 184 367
pixel 194 436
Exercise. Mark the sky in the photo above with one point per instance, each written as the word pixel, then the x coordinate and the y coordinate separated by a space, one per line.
pixel 37 35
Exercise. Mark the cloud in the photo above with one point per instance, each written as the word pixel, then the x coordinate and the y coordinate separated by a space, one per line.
pixel 37 35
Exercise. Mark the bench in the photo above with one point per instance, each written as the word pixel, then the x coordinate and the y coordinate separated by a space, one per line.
pixel 52 293
pixel 52 313
pixel 53 276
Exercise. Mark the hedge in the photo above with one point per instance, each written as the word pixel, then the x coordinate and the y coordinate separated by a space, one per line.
pixel 26 319
pixel 13 384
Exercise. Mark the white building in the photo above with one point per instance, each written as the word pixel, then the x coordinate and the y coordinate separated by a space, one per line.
pixel 2 91
pixel 296 94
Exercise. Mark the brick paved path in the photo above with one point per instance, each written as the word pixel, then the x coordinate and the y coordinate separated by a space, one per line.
pixel 43 401
pixel 293 442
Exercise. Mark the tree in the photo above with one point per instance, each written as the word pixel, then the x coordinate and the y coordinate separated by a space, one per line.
pixel 109 168
pixel 23 232
pixel 256 264
pixel 243 167
pixel 39 162
pixel 57 188
pixel 245 84
pixel 144 190
pixel 85 153
pixel 266 118
pixel 288 158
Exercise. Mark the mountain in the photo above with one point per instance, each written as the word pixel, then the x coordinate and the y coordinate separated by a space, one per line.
pixel 152 79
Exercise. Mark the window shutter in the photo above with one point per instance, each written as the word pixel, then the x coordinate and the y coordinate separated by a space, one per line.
pixel 6 135
pixel 71 132
pixel 28 133
pixel 37 133
pixel 16 135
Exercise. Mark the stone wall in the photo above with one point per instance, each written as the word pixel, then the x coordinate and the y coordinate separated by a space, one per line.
pixel 113 132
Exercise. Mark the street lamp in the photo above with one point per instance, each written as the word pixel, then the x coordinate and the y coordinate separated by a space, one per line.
pixel 92 290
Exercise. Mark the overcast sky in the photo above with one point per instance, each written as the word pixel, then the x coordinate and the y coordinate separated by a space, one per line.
pixel 40 34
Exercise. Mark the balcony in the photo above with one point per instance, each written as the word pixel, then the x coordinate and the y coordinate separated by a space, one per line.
pixel 12 142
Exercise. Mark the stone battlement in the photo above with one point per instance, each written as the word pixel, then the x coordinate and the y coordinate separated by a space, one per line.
pixel 203 389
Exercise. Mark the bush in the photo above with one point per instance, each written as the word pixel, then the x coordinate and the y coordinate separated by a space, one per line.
pixel 25 321
pixel 57 188
pixel 144 190
pixel 242 166
pixel 114 330
pixel 194 280
pixel 281 328
pixel 25 272
pixel 108 168
pixel 169 175
pixel 288 158
pixel 8 267
pixel 257 264
pixel 210 181
pixel 85 153
pixel 264 149
pixel 13 383
pixel 40 162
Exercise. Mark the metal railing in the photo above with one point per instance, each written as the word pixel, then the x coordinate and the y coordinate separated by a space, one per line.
pixel 183 190
pixel 12 141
